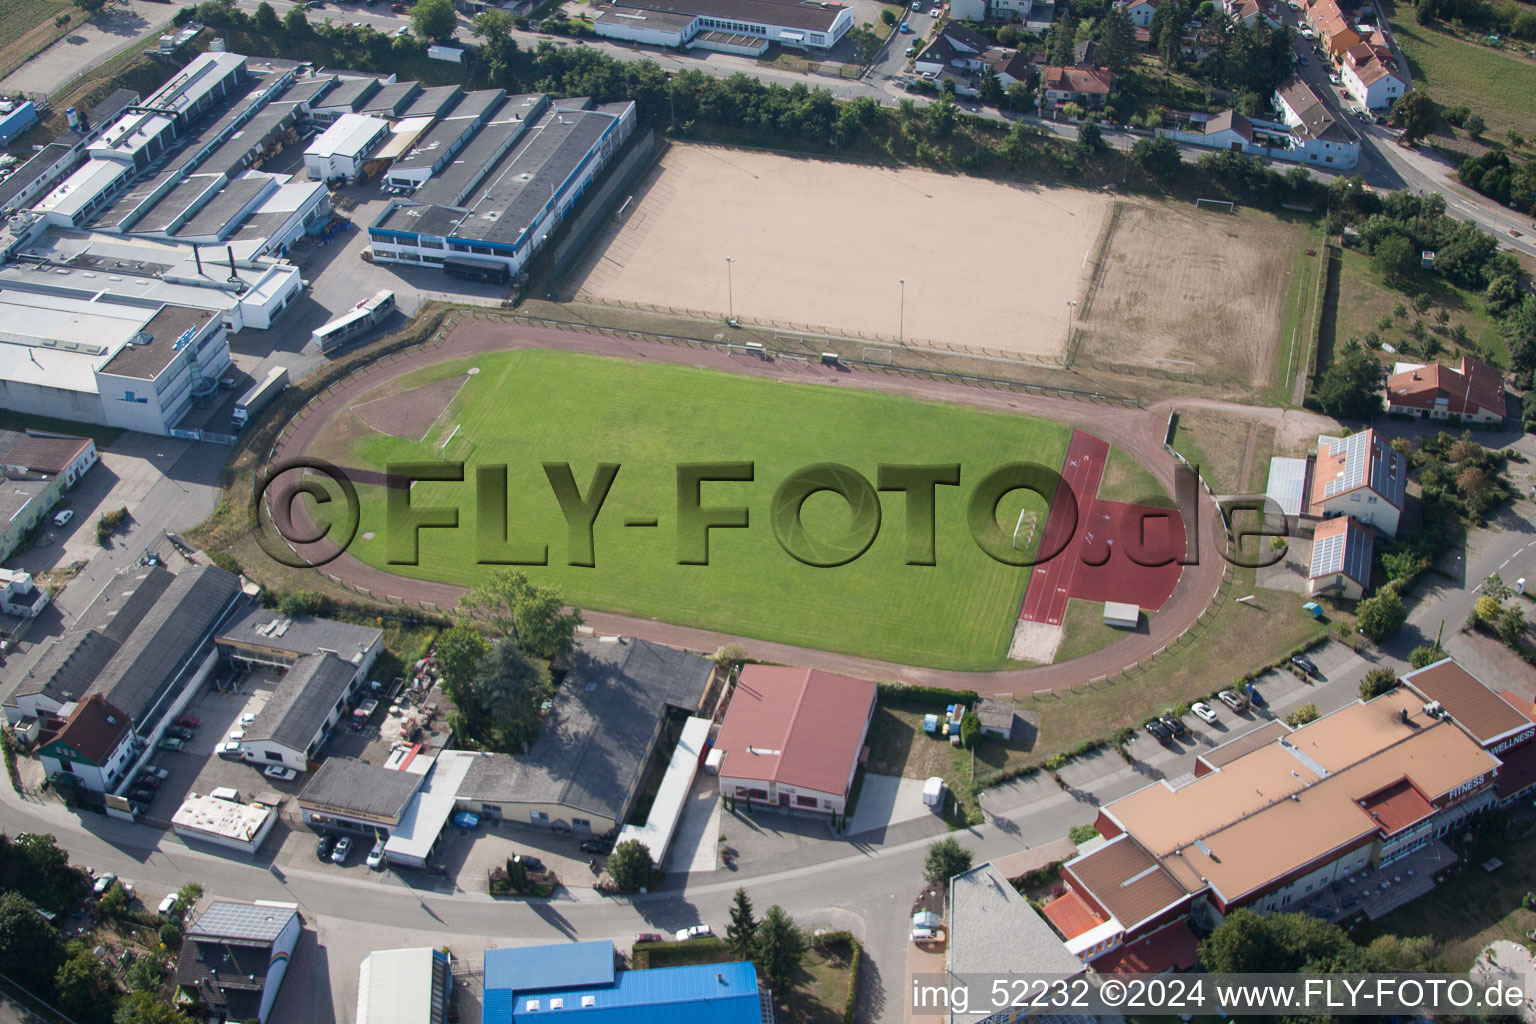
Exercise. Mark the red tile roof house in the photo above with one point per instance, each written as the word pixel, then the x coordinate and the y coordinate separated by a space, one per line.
pixel 793 737
pixel 93 744
pixel 1474 391
pixel 1085 86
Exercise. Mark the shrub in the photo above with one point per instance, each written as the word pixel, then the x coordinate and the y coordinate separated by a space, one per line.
pixel 1381 615
pixel 630 865
pixel 1302 715
pixel 1377 682
pixel 1425 654
pixel 1080 834
pixel 927 694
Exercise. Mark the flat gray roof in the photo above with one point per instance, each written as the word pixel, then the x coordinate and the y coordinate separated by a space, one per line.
pixel 33 169
pixel 449 185
pixel 218 217
pixel 433 101
pixel 391 99
pixel 109 109
pixel 347 784
pixel 442 137
pixel 426 220
pixel 145 361
pixel 123 211
pixel 308 88
pixel 519 187
pixel 257 626
pixel 174 203
pixel 595 739
pixel 994 930
pixel 478 103
pixel 240 922
pixel 349 93
pixel 253 136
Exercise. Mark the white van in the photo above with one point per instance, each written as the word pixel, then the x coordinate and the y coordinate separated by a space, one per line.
pixel 167 906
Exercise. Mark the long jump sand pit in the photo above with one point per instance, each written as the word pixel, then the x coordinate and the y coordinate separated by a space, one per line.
pixel 825 245
pixel 1188 290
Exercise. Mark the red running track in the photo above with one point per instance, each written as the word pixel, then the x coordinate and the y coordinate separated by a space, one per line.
pixel 1051 583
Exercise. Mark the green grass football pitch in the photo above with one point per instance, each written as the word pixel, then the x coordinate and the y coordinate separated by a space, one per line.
pixel 525 408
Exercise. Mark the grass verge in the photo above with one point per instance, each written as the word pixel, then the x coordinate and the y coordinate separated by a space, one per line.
pixel 1083 629
pixel 1497 85
pixel 1125 479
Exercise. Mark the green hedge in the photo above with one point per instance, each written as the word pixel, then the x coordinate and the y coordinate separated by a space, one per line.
pixel 927 694
pixel 856 956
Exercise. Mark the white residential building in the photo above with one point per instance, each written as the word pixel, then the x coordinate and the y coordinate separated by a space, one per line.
pixel 1373 85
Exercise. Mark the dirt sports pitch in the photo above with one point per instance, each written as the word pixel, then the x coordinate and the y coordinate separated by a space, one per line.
pixel 1188 290
pixel 826 245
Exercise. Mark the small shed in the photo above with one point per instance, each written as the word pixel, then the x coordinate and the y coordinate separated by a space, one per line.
pixel 1427 259
pixel 996 715
pixel 1122 615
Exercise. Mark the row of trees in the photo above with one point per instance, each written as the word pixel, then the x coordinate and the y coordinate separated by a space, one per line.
pixel 1496 176
pixel 1504 18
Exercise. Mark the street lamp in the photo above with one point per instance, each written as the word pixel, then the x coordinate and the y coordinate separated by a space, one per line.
pixel 901 329
pixel 730 292
pixel 1070 304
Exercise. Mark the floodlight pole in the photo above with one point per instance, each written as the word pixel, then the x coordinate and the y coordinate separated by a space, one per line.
pixel 901 328
pixel 730 292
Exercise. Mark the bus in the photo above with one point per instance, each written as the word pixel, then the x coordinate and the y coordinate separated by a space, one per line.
pixel 357 321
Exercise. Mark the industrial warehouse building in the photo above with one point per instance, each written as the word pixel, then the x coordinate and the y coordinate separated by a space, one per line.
pixel 510 187
pixel 107 361
pixel 731 26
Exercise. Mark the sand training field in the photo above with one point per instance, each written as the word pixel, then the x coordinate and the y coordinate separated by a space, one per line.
pixel 825 245
pixel 1177 286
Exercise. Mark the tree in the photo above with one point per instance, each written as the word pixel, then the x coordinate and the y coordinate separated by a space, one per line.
pixel 630 865
pixel 29 947
pixel 1410 954
pixel 90 6
pixel 114 902
pixel 1158 156
pixel 1474 125
pixel 741 933
pixel 1422 302
pixel 494 26
pixel 1301 716
pixel 531 613
pixel 295 24
pixel 1090 140
pixel 83 987
pixel 1512 627
pixel 1473 482
pixel 780 947
pixel 1495 587
pixel 865 43
pixel 188 895
pixel 945 859
pixel 1351 386
pixel 1394 259
pixel 434 19
pixel 991 89
pixel 1414 113
pixel 266 20
pixel 887 16
pixel 1247 942
pixel 1380 615
pixel 942 115
pixel 1020 97
pixel 144 1008
pixel 460 650
pixel 500 709
pixel 1117 40
pixel 1377 682
pixel 1459 333
pixel 1425 654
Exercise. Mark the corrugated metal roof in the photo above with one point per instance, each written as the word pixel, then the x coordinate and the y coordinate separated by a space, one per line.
pixel 717 993
pixel 303 698
pixel 520 969
pixel 1287 484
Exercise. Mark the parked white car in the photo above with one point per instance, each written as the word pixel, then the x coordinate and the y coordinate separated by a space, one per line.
pixel 376 856
pixel 280 773
pixel 1203 711
pixel 698 931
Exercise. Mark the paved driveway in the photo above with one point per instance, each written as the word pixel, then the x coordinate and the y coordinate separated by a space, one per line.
pixel 887 800
pixel 106 35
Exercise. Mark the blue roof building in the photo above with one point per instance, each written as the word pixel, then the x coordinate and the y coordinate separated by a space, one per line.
pixel 529 983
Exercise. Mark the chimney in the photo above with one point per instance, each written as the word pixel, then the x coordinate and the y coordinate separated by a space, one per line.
pixel 231 250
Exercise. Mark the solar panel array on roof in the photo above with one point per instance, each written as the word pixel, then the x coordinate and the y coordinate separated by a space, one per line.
pixel 240 922
pixel 1355 452
pixel 1346 551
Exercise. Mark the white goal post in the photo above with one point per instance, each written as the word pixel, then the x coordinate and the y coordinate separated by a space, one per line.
pixel 1224 205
